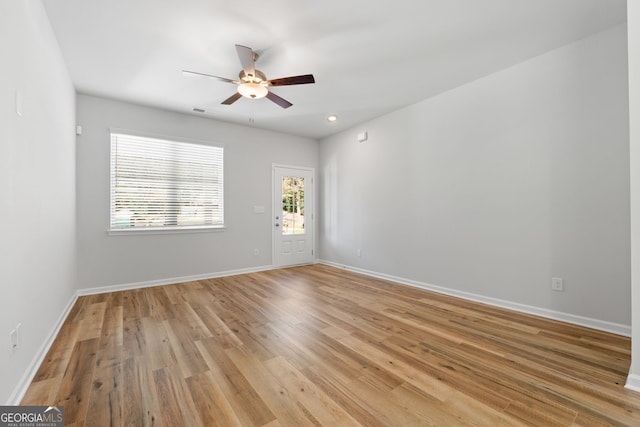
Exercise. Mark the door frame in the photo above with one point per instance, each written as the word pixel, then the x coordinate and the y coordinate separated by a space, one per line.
pixel 274 208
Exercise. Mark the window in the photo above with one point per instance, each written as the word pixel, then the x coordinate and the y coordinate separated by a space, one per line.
pixel 157 184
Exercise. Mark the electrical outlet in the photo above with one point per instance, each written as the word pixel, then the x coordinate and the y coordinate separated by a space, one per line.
pixel 256 252
pixel 14 342
pixel 358 252
pixel 557 284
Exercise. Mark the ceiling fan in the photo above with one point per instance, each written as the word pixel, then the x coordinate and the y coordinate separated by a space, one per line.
pixel 253 83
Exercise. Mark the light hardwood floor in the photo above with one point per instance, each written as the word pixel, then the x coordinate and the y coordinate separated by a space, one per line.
pixel 316 345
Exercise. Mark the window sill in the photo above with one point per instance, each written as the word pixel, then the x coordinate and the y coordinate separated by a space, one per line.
pixel 176 230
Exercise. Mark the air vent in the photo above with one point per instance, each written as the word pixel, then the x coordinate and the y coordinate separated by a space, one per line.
pixel 198 110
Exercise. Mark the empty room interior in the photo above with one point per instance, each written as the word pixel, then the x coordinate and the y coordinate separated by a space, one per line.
pixel 321 213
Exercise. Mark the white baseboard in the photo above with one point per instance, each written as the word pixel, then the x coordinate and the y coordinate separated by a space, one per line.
pixel 24 383
pixel 633 382
pixel 169 281
pixel 601 325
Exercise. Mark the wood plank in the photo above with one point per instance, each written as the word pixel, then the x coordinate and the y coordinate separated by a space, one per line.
pixel 187 355
pixel 140 404
pixel 432 386
pixel 92 322
pixel 213 407
pixel 134 343
pixel 105 402
pixel 338 390
pixel 158 347
pixel 275 396
pixel 75 386
pixel 111 338
pixel 193 325
pixel 218 328
pixel 174 398
pixel 41 391
pixel 55 362
pixel 311 397
pixel 243 398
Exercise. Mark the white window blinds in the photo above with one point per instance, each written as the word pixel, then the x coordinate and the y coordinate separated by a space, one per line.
pixel 163 185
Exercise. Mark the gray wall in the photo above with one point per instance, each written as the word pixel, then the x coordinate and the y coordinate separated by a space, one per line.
pixel 107 260
pixel 496 186
pixel 37 184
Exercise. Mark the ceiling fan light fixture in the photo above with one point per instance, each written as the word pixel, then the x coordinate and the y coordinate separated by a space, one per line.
pixel 252 83
pixel 252 90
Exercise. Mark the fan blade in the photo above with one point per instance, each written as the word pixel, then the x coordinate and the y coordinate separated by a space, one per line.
pixel 195 73
pixel 278 100
pixel 246 59
pixel 233 98
pixel 295 80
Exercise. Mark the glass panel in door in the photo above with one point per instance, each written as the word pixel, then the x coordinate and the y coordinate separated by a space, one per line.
pixel 292 205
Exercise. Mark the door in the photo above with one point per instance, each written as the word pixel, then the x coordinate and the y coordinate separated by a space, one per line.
pixel 292 216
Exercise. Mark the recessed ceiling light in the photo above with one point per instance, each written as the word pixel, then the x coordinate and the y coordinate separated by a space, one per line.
pixel 332 118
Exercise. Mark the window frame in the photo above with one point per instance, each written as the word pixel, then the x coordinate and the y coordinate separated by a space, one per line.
pixel 173 229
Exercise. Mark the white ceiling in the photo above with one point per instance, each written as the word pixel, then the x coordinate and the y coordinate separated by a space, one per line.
pixel 368 58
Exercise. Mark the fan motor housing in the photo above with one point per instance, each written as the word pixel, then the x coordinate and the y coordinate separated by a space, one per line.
pixel 258 78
